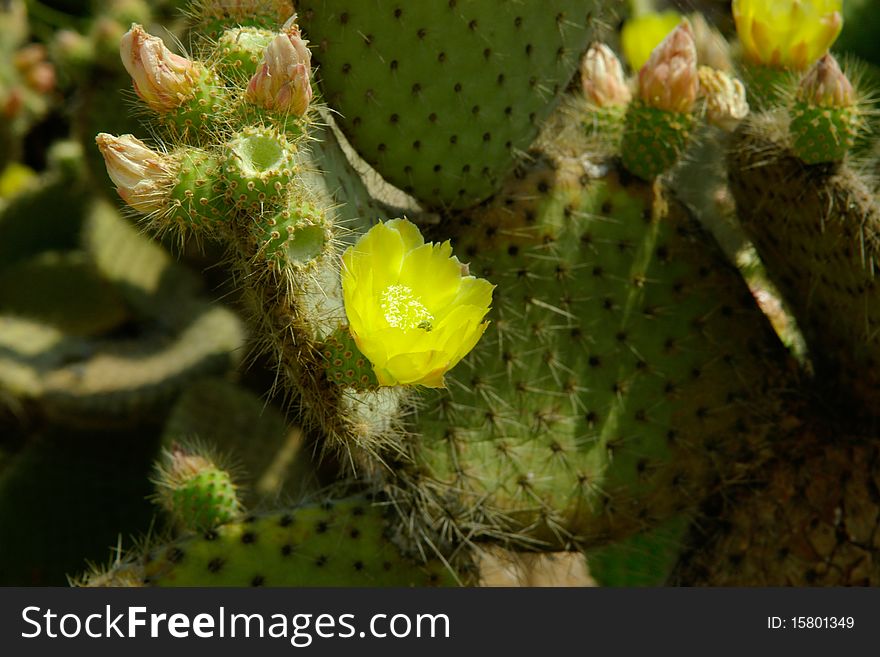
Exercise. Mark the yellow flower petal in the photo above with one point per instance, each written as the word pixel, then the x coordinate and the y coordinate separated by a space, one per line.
pixel 410 309
pixel 790 34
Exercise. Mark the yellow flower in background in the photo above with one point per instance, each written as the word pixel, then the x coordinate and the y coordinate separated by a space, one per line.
pixel 640 35
pixel 790 34
pixel 412 309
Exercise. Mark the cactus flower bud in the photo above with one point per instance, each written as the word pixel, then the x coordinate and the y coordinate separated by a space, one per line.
pixel 725 96
pixel 282 84
pixel 140 174
pixel 788 34
pixel 162 79
pixel 825 85
pixel 669 80
pixel 602 77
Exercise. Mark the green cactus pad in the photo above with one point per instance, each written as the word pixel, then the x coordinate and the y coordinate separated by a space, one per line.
pixel 626 370
pixel 440 96
pixel 197 197
pixel 334 544
pixel 202 500
pixel 817 230
pixel 345 364
pixel 240 51
pixel 823 134
pixel 654 139
pixel 257 169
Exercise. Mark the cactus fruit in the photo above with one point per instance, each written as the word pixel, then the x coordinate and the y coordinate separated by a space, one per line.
pixel 825 118
pixel 412 84
pixel 660 121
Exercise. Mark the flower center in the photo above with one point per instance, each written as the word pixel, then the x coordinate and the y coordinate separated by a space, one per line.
pixel 404 310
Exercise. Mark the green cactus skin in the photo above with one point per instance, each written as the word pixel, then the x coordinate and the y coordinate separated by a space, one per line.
pixel 440 97
pixel 809 520
pixel 823 134
pixel 646 559
pixel 344 362
pixel 654 139
pixel 816 230
pixel 616 385
pixel 197 198
pixel 339 543
pixel 240 52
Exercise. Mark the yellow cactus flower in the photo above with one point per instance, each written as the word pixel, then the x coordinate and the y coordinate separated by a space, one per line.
pixel 412 308
pixel 788 34
pixel 640 35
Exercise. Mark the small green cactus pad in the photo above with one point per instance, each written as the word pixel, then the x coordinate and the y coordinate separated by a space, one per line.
pixel 809 520
pixel 440 96
pixel 817 230
pixel 627 369
pixel 823 134
pixel 345 364
pixel 654 139
pixel 205 500
pixel 197 197
pixel 257 169
pixel 296 235
pixel 240 51
pixel 339 543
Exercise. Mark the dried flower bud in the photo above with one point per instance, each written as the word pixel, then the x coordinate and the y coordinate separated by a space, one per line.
pixel 725 96
pixel 602 77
pixel 669 80
pixel 826 85
pixel 140 174
pixel 282 82
pixel 162 79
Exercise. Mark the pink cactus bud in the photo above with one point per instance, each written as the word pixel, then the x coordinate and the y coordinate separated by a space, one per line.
pixel 826 85
pixel 669 80
pixel 141 175
pixel 162 79
pixel 282 83
pixel 602 77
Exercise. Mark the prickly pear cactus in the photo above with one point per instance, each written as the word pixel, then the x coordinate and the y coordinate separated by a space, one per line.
pixel 504 297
